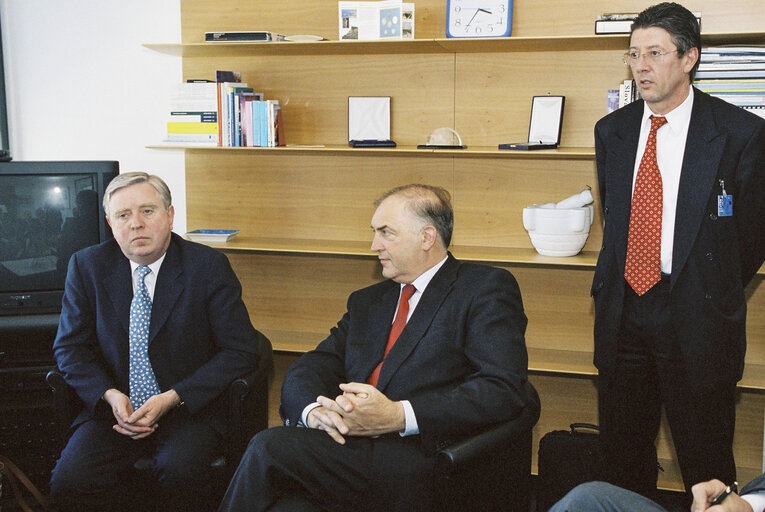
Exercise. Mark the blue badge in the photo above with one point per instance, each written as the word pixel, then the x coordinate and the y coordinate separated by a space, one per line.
pixel 724 205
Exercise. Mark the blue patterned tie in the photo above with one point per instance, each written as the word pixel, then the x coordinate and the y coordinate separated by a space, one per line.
pixel 143 383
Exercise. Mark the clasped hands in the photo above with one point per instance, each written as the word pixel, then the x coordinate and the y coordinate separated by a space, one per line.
pixel 361 410
pixel 142 422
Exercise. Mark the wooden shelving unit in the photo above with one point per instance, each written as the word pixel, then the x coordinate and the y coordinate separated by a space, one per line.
pixel 304 210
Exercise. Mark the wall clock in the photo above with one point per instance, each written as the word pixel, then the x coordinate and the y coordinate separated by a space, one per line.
pixel 479 18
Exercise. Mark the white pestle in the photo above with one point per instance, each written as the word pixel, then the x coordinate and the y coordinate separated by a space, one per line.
pixel 577 200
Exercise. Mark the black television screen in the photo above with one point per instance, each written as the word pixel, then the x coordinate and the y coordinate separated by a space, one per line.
pixel 48 210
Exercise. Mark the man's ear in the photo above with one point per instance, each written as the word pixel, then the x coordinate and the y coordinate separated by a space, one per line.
pixel 429 237
pixel 692 57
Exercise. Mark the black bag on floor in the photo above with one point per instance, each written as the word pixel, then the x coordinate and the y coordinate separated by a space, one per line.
pixel 566 459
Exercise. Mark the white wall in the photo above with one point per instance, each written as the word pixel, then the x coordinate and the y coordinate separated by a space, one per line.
pixel 81 87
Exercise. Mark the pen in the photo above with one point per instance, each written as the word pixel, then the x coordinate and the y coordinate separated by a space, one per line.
pixel 728 490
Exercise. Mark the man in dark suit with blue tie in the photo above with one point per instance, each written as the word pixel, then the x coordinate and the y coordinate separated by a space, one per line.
pixel 152 331
pixel 374 421
pixel 679 246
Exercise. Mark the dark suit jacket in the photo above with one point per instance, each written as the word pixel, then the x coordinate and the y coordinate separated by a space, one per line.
pixel 200 337
pixel 756 485
pixel 461 360
pixel 714 257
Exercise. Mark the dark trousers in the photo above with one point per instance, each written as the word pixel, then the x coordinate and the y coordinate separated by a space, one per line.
pixel 95 470
pixel 301 469
pixel 649 373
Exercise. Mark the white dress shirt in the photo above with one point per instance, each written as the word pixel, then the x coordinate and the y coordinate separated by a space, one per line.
pixel 670 147
pixel 151 278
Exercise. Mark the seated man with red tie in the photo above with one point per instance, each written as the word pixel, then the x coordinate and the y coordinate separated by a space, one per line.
pixel 418 361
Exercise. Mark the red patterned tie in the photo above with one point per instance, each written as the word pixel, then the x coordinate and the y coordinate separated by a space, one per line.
pixel 398 325
pixel 642 269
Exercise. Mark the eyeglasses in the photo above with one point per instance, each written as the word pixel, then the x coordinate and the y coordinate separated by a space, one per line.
pixel 632 56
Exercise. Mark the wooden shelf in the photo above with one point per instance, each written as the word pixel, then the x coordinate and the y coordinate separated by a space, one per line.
pixel 439 45
pixel 469 152
pixel 542 360
pixel 512 255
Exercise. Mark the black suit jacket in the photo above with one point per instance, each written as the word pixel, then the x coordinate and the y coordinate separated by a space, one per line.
pixel 200 336
pixel 461 359
pixel 714 257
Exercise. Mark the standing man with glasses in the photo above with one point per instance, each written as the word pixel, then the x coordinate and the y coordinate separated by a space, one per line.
pixel 682 189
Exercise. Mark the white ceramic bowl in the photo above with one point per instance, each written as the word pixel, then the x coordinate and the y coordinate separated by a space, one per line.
pixel 558 245
pixel 557 231
pixel 551 220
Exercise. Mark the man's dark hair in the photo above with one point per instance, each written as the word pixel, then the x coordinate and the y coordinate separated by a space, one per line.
pixel 431 204
pixel 681 24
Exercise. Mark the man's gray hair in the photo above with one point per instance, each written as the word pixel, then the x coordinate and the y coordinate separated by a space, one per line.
pixel 133 178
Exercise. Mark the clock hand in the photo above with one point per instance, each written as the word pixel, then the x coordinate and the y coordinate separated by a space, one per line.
pixel 471 19
pixel 484 10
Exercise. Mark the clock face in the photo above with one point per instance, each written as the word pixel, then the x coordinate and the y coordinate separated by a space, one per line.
pixel 479 18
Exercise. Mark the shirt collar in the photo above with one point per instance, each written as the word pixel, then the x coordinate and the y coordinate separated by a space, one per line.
pixel 154 267
pixel 678 117
pixel 424 279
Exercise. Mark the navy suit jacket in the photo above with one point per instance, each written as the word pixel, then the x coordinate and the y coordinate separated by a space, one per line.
pixel 200 336
pixel 461 359
pixel 714 257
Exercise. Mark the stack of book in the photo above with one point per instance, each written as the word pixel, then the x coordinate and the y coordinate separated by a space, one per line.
pixel 626 94
pixel 193 115
pixel 246 118
pixel 735 74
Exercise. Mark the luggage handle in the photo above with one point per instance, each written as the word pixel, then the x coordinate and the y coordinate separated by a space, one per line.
pixel 575 426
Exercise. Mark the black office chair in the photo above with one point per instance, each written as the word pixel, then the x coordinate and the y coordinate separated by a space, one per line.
pixel 490 470
pixel 247 398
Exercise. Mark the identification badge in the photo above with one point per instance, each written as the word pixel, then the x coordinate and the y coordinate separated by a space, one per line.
pixel 724 205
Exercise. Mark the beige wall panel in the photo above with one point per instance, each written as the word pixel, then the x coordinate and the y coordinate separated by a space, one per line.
pixel 319 17
pixel 296 299
pixel 490 194
pixel 494 92
pixel 314 90
pixel 755 320
pixel 530 17
pixel 563 295
pixel 575 17
pixel 268 194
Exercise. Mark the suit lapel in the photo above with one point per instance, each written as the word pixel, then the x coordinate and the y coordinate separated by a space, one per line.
pixel 623 155
pixel 703 151
pixel 119 288
pixel 379 320
pixel 430 302
pixel 167 290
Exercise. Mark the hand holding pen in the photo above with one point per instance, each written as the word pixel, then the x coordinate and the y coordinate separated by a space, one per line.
pixel 718 495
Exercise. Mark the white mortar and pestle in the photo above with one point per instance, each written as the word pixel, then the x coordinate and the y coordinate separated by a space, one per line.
pixel 560 229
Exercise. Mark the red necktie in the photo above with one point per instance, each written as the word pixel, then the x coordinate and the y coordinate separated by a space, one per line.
pixel 398 325
pixel 642 269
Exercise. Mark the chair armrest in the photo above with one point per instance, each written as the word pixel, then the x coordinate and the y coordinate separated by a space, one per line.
pixel 247 398
pixel 62 400
pixel 487 441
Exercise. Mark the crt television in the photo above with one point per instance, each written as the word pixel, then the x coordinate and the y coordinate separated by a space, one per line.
pixel 48 210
